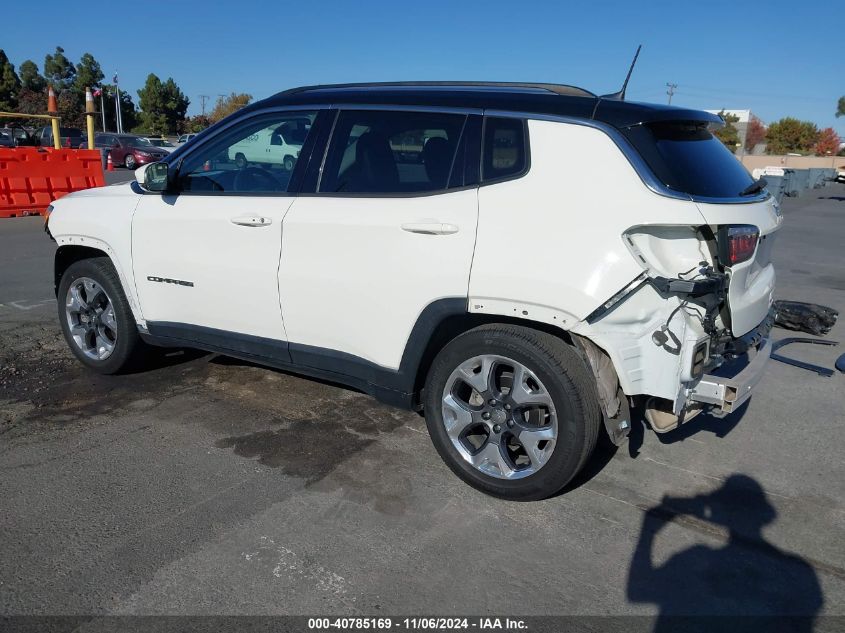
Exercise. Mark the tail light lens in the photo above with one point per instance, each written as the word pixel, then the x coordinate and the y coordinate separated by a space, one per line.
pixel 737 243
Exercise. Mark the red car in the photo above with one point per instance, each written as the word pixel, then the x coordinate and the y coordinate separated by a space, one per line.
pixel 128 150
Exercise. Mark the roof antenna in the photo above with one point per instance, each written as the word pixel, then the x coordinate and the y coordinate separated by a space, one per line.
pixel 620 96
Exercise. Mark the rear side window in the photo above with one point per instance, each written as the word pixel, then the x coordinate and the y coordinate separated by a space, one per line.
pixel 391 152
pixel 504 149
pixel 686 157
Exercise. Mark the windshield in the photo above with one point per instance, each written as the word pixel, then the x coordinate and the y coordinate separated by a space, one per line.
pixel 140 142
pixel 70 131
pixel 686 157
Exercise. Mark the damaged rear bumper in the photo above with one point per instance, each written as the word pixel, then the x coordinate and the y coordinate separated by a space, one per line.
pixel 727 393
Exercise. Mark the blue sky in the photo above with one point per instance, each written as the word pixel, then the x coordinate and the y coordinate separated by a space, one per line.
pixel 777 58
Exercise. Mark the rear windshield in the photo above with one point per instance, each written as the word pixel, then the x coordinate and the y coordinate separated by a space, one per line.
pixel 686 157
pixel 70 131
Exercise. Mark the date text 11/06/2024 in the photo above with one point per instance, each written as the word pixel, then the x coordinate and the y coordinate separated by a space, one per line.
pixel 418 623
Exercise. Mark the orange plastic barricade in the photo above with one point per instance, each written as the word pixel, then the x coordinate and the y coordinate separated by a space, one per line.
pixel 32 177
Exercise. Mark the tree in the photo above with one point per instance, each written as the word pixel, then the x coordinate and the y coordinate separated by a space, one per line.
pixel 32 102
pixel 31 79
pixel 840 109
pixel 755 134
pixel 227 105
pixel 69 109
pixel 163 105
pixel 175 104
pixel 827 143
pixel 196 124
pixel 728 133
pixel 791 135
pixel 88 74
pixel 151 101
pixel 58 70
pixel 10 84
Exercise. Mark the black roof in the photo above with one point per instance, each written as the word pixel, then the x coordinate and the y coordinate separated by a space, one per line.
pixel 535 98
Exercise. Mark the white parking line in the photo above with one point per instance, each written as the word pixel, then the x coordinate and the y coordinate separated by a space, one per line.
pixel 27 304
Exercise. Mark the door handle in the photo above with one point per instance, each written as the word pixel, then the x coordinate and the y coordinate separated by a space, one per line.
pixel 252 220
pixel 430 228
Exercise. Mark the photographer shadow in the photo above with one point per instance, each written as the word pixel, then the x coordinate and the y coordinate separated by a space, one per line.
pixel 747 584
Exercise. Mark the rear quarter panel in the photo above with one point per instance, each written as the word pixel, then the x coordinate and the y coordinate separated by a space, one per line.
pixel 550 244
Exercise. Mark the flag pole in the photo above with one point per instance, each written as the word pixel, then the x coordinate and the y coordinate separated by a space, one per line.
pixel 103 108
pixel 117 117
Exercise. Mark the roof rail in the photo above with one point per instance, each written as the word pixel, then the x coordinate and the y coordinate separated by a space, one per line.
pixel 559 89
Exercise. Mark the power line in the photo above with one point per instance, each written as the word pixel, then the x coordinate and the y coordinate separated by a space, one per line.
pixel 671 90
pixel 203 99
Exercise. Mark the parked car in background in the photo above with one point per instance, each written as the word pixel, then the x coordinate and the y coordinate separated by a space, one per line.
pixel 129 150
pixel 840 173
pixel 161 143
pixel 273 145
pixel 16 136
pixel 68 136
pixel 185 138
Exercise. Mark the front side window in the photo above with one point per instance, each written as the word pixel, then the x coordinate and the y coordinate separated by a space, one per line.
pixel 504 151
pixel 391 152
pixel 255 156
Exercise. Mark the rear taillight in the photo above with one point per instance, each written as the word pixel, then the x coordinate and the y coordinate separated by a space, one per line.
pixel 737 243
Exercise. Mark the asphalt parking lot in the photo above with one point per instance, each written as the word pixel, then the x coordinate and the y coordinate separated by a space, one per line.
pixel 208 486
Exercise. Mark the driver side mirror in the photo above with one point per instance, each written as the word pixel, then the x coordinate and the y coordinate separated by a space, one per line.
pixel 156 177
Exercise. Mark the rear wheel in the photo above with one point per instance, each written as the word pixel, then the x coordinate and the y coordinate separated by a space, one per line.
pixel 512 411
pixel 95 316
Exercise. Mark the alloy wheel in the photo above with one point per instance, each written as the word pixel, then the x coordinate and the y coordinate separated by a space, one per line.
pixel 91 318
pixel 499 417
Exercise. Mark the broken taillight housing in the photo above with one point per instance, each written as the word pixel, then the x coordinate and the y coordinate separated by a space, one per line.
pixel 737 243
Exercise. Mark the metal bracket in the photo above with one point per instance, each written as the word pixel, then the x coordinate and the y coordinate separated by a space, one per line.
pixel 821 371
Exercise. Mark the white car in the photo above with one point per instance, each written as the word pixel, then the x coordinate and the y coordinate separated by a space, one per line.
pixel 840 173
pixel 161 143
pixel 184 138
pixel 529 265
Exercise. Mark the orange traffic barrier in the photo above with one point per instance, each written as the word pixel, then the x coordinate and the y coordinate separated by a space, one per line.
pixel 31 178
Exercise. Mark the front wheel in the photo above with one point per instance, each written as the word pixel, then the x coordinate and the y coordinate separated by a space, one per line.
pixel 129 160
pixel 512 411
pixel 289 163
pixel 95 317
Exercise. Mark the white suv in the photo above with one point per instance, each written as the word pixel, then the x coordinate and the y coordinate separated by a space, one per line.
pixel 524 263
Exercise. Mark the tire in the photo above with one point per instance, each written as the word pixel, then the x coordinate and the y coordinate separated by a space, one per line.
pixel 240 160
pixel 289 163
pixel 129 161
pixel 90 337
pixel 553 375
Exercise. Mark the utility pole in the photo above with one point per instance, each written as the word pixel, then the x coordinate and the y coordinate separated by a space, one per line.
pixel 203 99
pixel 671 90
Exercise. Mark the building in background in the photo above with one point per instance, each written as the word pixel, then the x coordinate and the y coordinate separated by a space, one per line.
pixel 745 118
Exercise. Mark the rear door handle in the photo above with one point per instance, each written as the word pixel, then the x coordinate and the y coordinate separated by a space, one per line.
pixel 252 220
pixel 430 228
